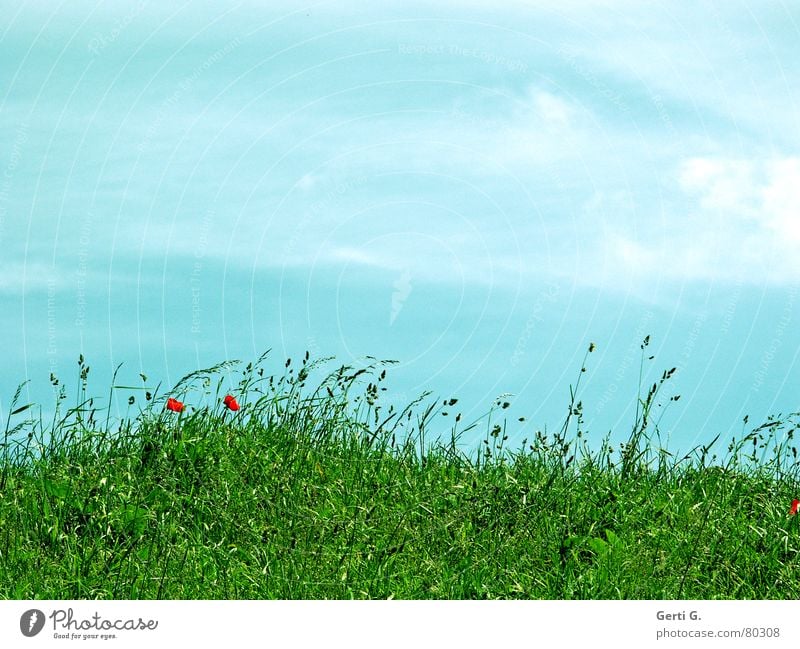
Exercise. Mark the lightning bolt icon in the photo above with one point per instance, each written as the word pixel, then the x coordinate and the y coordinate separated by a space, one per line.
pixel 32 620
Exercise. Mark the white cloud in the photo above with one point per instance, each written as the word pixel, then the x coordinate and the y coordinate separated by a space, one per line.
pixel 17 278
pixel 765 193
pixel 306 182
pixel 713 60
pixel 357 256
pixel 780 199
pixel 722 184
pixel 553 110
pixel 741 223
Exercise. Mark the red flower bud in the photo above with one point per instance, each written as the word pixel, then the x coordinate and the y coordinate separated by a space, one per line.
pixel 174 405
pixel 231 403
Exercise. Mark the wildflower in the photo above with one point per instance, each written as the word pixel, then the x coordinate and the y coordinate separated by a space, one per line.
pixel 795 507
pixel 231 403
pixel 174 405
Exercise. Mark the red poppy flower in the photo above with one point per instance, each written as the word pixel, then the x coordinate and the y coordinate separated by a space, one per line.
pixel 174 405
pixel 795 507
pixel 231 403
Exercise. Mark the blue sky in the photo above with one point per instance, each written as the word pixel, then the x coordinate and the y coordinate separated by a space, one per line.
pixel 475 189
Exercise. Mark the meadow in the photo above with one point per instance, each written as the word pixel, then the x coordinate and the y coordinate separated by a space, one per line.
pixel 239 484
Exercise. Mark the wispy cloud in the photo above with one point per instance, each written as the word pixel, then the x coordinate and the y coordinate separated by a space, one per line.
pixel 524 174
pixel 17 278
pixel 727 220
pixel 762 193
pixel 760 196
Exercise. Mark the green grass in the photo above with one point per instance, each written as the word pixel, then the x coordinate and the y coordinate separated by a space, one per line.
pixel 313 490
